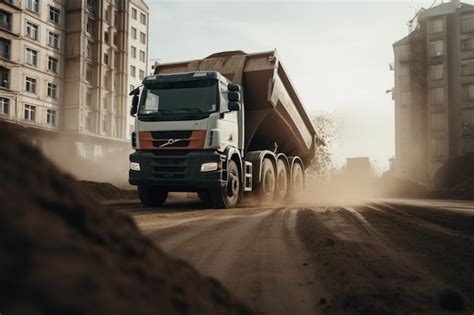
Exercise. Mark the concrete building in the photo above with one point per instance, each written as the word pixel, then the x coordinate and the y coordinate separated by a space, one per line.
pixel 64 67
pixel 434 90
pixel 138 48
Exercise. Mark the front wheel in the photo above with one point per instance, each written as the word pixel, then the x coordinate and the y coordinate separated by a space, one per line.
pixel 152 196
pixel 229 195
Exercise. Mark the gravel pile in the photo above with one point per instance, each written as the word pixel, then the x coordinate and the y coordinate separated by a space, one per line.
pixel 107 191
pixel 63 254
pixel 455 179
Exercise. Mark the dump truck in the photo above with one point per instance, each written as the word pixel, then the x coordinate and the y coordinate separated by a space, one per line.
pixel 226 126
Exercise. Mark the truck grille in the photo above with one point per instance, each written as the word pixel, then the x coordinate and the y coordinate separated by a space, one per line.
pixel 169 165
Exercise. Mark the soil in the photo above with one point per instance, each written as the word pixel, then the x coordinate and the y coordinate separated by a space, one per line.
pixel 455 179
pixel 107 191
pixel 64 254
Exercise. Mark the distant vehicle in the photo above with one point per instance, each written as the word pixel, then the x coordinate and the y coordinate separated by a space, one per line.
pixel 223 127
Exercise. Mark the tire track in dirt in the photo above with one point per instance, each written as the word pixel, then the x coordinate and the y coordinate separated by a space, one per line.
pixel 362 271
pixel 254 253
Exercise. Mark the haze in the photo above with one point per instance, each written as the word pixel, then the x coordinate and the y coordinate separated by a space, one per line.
pixel 337 54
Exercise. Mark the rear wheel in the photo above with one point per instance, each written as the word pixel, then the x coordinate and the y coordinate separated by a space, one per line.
pixel 297 180
pixel 229 195
pixel 268 182
pixel 281 181
pixel 152 196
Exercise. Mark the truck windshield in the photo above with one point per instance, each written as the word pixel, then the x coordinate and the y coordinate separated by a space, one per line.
pixel 176 98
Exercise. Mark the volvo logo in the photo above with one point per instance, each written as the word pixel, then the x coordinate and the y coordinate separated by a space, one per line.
pixel 170 142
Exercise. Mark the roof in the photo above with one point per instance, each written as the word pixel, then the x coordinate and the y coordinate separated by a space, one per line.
pixel 443 9
pixel 403 41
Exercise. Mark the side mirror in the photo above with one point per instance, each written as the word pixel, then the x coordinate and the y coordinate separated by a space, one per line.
pixel 233 87
pixel 233 96
pixel 135 91
pixel 134 108
pixel 234 106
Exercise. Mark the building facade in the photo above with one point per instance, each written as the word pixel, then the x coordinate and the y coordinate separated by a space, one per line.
pixel 64 67
pixel 138 48
pixel 434 90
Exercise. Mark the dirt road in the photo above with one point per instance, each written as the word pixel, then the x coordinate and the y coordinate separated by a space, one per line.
pixel 384 257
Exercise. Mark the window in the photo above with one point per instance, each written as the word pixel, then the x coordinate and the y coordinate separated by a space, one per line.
pixel 30 85
pixel 439 148
pixel 5 48
pixel 53 64
pixel 467 68
pixel 32 5
pixel 30 112
pixel 134 13
pixel 31 57
pixel 134 52
pixel 142 38
pixel 468 92
pixel 32 30
pixel 467 44
pixel 52 90
pixel 4 106
pixel 143 18
pixel 142 56
pixel 53 40
pixel 436 48
pixel 468 120
pixel 437 96
pixel 435 26
pixel 142 74
pixel 89 49
pixel 133 71
pixel 106 59
pixel 5 20
pixel 90 26
pixel 51 117
pixel 468 143
pixel 54 14
pixel 106 37
pixel 467 23
pixel 4 77
pixel 91 5
pixel 134 33
pixel 436 72
pixel 438 121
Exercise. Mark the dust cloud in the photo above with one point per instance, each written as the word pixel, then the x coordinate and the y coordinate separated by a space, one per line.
pixel 91 162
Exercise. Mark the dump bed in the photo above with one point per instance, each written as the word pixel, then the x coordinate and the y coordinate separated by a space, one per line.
pixel 274 113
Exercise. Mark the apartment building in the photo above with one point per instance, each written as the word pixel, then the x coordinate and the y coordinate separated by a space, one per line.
pixel 434 90
pixel 64 67
pixel 138 48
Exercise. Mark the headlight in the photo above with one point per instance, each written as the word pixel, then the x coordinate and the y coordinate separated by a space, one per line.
pixel 211 166
pixel 134 166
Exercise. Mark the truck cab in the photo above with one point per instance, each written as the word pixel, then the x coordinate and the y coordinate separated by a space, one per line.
pixel 187 125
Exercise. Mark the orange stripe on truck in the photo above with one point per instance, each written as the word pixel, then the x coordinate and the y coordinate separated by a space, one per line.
pixel 196 141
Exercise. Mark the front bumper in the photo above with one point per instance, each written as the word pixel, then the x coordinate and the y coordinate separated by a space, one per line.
pixel 178 170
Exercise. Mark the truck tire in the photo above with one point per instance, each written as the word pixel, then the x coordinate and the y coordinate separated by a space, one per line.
pixel 267 187
pixel 297 180
pixel 281 181
pixel 151 196
pixel 229 195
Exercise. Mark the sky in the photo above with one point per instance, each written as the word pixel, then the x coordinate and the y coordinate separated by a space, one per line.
pixel 337 54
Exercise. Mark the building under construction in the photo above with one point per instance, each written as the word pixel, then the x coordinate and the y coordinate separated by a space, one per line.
pixel 434 90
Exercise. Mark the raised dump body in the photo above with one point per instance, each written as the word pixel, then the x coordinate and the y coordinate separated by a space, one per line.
pixel 274 114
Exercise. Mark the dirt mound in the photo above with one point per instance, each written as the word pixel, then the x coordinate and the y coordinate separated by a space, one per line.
pixel 62 254
pixel 455 179
pixel 107 191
